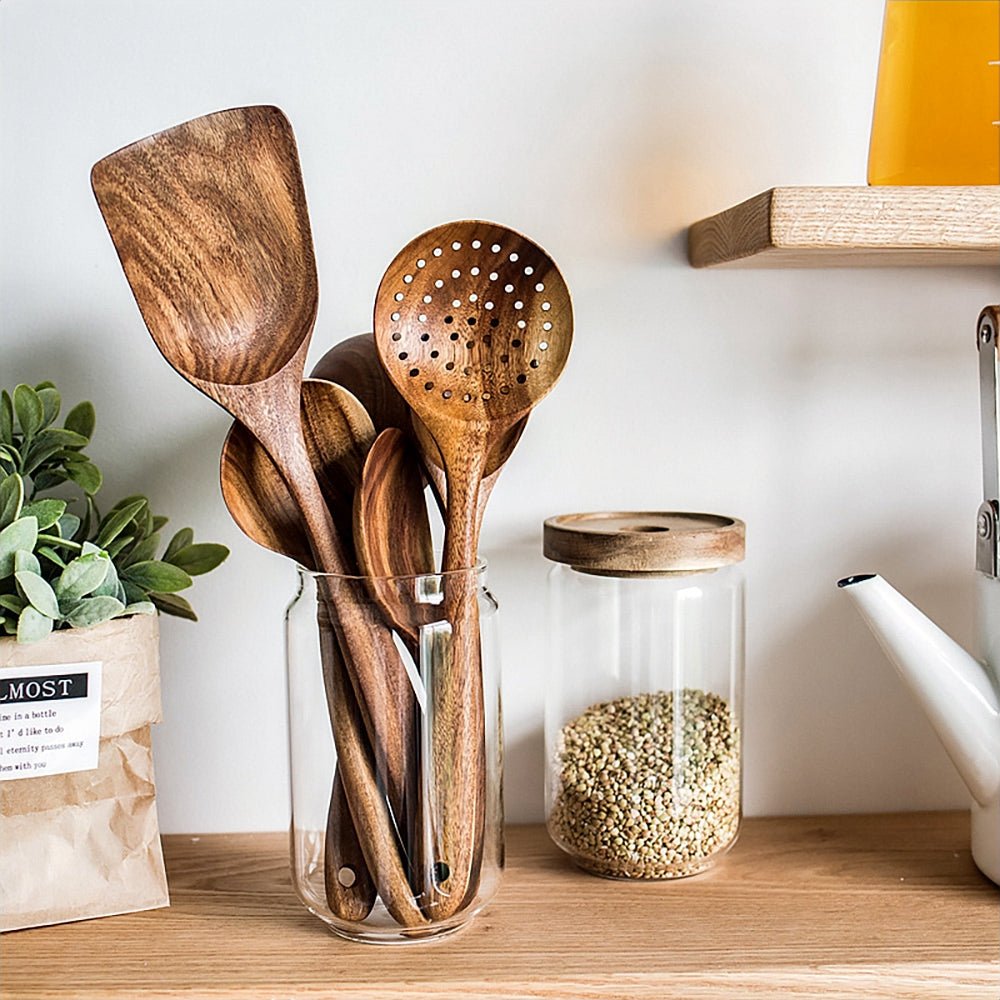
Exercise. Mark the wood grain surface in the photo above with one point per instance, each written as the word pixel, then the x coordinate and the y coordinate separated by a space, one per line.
pixel 884 906
pixel 853 226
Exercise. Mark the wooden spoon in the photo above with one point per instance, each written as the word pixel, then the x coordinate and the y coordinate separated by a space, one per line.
pixel 338 435
pixel 354 363
pixel 392 535
pixel 210 223
pixel 473 324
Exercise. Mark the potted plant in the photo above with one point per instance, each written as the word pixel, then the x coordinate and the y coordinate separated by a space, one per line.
pixel 79 676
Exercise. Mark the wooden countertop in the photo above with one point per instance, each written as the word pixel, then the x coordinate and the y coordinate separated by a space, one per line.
pixel 831 906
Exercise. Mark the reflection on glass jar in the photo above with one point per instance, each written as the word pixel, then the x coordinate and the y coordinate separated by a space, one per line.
pixel 644 708
pixel 376 776
pixel 937 101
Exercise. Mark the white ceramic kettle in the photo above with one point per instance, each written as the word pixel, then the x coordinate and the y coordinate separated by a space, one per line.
pixel 959 693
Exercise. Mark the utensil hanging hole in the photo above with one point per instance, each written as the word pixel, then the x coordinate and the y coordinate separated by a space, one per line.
pixel 515 342
pixel 521 324
pixel 422 317
pixel 487 396
pixel 476 244
pixel 407 278
pixel 466 371
pixel 414 372
pixel 347 877
pixel 394 317
pixel 529 270
pixel 397 336
pixel 508 288
pixel 539 287
pixel 470 344
pixel 505 358
pixel 494 322
pixel 456 245
pixel 399 296
pixel 544 345
pixel 428 299
pixel 546 306
pixel 495 248
pixel 488 305
pixel 518 304
pixel 471 321
pixel 450 366
pixel 494 276
pixel 474 271
pixel 546 326
pixel 435 354
pixel 467 398
pixel 473 297
pixel 403 355
pixel 421 262
pixel 534 362
pixel 439 283
pixel 437 251
pixel 425 337
pixel 446 394
pixel 441 872
pixel 456 273
pixel 456 303
pixel 453 336
pixel 505 390
pixel 428 386
pixel 449 319
pixel 487 340
pixel 513 258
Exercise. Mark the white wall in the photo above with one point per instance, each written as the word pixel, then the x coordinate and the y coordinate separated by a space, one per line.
pixel 834 410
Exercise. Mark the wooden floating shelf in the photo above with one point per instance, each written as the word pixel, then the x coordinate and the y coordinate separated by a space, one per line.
pixel 876 907
pixel 853 226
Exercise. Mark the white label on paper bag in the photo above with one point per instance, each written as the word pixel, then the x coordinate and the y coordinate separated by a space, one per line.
pixel 50 719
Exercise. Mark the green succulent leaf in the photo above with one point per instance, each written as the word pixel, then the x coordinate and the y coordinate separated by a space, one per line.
pixel 32 625
pixel 49 479
pixel 181 540
pixel 199 558
pixel 133 594
pixel 21 534
pixel 141 551
pixel 26 561
pixel 46 552
pixel 93 611
pixel 140 608
pixel 121 542
pixel 11 499
pixel 159 522
pixel 86 475
pixel 29 409
pixel 38 593
pixel 81 577
pixel 174 604
pixel 153 575
pixel 13 603
pixel 117 519
pixel 81 419
pixel 109 586
pixel 51 442
pixel 47 512
pixel 69 525
pixel 6 418
pixel 51 401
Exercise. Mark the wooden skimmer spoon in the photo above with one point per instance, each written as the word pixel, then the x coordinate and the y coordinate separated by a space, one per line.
pixel 210 223
pixel 473 325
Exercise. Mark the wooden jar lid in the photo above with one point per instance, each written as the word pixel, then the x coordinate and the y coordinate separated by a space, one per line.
pixel 644 541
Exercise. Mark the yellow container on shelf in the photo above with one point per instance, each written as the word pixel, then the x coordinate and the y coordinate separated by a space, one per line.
pixel 937 102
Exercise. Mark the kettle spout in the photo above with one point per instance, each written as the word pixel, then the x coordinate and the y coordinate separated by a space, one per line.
pixel 952 687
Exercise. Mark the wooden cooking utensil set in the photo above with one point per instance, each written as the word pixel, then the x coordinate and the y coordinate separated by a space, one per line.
pixel 473 325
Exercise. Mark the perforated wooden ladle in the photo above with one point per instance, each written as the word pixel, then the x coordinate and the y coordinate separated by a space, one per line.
pixel 473 325
pixel 210 223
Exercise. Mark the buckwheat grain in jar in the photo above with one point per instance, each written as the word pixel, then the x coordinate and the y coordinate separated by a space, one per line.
pixel 643 721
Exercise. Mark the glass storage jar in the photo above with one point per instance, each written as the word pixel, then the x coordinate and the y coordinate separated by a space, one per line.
pixel 643 723
pixel 397 817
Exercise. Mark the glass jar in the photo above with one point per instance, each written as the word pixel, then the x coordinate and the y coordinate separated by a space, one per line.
pixel 397 817
pixel 643 723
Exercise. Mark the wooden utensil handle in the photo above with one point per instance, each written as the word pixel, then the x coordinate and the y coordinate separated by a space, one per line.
pixel 350 890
